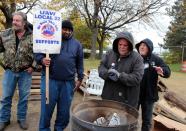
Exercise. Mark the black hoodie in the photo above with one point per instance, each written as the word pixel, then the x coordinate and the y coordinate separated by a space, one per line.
pixel 148 86
pixel 130 67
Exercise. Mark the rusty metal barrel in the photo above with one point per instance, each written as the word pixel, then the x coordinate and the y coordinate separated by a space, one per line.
pixel 84 114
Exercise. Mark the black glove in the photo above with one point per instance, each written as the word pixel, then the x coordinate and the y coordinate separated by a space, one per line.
pixel 113 74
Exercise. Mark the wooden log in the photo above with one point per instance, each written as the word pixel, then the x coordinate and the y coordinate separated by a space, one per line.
pixel 175 100
pixel 162 123
pixel 161 86
pixel 164 108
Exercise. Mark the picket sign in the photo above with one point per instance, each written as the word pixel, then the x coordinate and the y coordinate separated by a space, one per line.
pixel 47 36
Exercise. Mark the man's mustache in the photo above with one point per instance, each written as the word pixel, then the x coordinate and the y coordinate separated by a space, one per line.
pixel 14 24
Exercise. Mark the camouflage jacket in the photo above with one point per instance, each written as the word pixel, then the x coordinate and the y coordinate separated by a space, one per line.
pixel 20 59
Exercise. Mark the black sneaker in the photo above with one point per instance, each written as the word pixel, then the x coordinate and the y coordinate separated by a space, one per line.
pixel 22 124
pixel 3 125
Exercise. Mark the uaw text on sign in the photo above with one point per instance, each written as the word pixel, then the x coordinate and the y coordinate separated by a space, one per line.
pixel 47 31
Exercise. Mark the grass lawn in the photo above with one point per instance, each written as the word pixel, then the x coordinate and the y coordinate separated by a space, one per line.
pixel 175 67
pixel 88 64
pixel 91 64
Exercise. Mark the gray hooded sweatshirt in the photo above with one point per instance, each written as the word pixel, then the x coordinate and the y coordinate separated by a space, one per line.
pixel 131 70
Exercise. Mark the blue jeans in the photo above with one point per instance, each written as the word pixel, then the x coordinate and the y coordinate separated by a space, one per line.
pixel 60 93
pixel 9 83
pixel 147 109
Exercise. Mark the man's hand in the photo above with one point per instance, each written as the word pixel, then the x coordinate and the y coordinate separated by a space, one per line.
pixel 46 61
pixel 77 85
pixel 113 74
pixel 29 70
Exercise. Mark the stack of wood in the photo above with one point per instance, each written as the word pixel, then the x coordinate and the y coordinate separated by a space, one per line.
pixel 171 113
pixel 35 87
pixel 161 86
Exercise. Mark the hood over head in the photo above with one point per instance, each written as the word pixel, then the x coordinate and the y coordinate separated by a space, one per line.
pixel 123 35
pixel 149 44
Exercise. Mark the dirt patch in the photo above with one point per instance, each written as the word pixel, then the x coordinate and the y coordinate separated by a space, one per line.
pixel 177 83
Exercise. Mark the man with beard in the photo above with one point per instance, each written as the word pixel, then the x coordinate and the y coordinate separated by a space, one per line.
pixel 18 62
pixel 62 68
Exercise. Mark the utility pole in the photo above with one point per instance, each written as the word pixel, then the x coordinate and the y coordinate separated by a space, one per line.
pixel 182 59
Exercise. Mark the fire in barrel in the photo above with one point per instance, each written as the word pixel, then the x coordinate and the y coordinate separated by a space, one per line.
pixel 103 115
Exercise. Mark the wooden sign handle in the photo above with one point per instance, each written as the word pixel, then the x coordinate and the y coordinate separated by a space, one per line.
pixel 47 81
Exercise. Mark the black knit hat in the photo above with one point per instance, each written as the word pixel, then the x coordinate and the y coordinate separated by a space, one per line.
pixel 67 24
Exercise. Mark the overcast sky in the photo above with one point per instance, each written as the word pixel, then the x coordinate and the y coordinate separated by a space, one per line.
pixel 141 32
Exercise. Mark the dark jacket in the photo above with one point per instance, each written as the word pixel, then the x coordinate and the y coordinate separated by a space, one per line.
pixel 148 87
pixel 65 65
pixel 126 89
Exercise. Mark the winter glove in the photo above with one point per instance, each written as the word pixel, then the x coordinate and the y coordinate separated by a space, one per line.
pixel 113 74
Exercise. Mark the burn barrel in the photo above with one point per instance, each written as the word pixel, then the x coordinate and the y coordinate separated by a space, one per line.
pixel 84 114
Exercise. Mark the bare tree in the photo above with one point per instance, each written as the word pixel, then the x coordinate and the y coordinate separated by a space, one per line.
pixel 105 16
pixel 7 7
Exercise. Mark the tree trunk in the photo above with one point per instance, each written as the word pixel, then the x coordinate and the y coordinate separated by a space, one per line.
pixel 101 48
pixel 8 23
pixel 94 28
pixel 102 37
pixel 93 43
pixel 7 11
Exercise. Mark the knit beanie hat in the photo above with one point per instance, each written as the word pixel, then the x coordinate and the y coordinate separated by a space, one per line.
pixel 67 24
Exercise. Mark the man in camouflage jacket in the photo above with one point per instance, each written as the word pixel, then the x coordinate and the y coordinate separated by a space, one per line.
pixel 16 44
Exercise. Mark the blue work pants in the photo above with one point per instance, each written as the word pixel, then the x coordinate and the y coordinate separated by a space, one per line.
pixel 10 81
pixel 60 94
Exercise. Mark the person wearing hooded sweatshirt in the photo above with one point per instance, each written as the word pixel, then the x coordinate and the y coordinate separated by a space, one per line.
pixel 122 70
pixel 154 66
pixel 62 70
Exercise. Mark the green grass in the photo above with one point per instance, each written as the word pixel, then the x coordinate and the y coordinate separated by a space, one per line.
pixel 175 67
pixel 91 64
pixel 88 64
